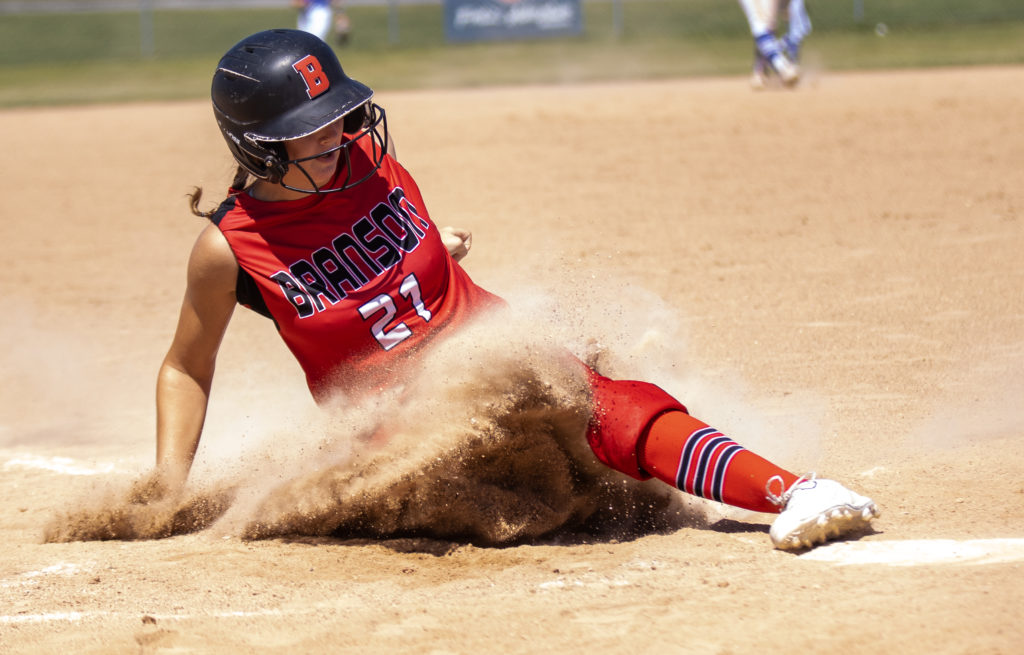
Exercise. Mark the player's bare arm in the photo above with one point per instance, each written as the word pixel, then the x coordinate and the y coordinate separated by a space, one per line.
pixel 186 374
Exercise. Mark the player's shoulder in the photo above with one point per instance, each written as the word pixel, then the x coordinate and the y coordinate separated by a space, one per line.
pixel 212 261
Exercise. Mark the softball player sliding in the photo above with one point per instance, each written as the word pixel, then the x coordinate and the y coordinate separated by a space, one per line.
pixel 324 232
pixel 771 53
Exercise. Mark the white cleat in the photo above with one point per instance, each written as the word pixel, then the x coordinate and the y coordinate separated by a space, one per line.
pixel 758 80
pixel 816 511
pixel 787 71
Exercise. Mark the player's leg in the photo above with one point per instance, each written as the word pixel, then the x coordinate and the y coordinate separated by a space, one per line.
pixel 759 75
pixel 320 20
pixel 799 26
pixel 342 27
pixel 758 21
pixel 690 455
pixel 642 431
pixel 761 17
pixel 694 457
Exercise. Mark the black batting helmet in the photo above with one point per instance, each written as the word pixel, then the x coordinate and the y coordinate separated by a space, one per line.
pixel 283 84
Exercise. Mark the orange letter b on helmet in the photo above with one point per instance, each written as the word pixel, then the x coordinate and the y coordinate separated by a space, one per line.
pixel 313 75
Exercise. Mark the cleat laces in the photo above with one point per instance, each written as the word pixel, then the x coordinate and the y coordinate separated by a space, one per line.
pixel 782 498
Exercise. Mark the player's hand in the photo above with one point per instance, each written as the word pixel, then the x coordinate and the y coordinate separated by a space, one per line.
pixel 457 240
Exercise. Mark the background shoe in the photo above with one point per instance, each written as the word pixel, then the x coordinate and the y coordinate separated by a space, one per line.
pixel 759 76
pixel 787 71
pixel 816 511
pixel 773 51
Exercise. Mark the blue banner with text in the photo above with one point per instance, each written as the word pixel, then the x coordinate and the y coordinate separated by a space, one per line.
pixel 483 20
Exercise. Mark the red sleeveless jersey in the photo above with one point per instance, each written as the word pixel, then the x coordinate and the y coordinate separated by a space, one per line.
pixel 357 281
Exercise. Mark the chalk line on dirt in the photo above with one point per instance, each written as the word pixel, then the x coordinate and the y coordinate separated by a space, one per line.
pixel 72 617
pixel 920 552
pixel 64 465
pixel 913 552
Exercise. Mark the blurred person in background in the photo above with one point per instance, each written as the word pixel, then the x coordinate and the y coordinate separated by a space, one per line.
pixel 774 55
pixel 315 16
pixel 342 23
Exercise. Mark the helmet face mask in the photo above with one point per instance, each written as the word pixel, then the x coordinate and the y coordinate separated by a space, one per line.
pixel 280 85
pixel 374 127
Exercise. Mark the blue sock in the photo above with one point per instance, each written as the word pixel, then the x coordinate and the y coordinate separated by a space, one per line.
pixel 792 47
pixel 768 45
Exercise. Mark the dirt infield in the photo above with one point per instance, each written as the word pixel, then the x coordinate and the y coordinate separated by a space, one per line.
pixel 832 276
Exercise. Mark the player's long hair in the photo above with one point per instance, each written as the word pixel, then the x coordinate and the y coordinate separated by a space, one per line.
pixel 239 183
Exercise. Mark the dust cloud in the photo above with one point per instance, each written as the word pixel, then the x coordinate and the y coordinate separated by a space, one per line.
pixel 981 400
pixel 484 445
pixel 62 383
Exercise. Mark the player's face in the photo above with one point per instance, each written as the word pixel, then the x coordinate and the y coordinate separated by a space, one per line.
pixel 307 151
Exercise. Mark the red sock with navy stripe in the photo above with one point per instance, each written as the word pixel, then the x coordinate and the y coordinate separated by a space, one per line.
pixel 694 457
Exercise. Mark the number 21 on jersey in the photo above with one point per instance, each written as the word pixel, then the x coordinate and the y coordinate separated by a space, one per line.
pixel 384 305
